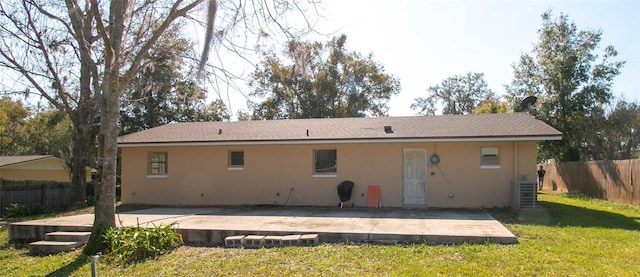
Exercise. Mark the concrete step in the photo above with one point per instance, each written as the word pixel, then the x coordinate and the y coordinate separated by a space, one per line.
pixel 68 236
pixel 52 247
pixel 56 242
pixel 30 231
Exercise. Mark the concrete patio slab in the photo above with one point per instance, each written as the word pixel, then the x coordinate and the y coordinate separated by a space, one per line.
pixel 210 225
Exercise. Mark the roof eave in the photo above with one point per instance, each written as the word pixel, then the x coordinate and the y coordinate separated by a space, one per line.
pixel 44 157
pixel 341 141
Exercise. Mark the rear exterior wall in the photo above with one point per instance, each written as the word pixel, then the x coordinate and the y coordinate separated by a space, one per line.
pixel 283 174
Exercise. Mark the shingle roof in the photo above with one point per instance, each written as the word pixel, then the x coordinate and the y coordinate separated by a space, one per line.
pixel 434 128
pixel 10 160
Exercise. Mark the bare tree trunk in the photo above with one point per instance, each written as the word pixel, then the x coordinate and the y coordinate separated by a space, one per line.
pixel 105 207
pixel 82 118
pixel 83 115
pixel 108 141
pixel 108 149
pixel 79 160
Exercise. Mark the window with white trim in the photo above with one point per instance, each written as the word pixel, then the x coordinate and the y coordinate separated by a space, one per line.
pixel 325 162
pixel 490 157
pixel 158 164
pixel 236 160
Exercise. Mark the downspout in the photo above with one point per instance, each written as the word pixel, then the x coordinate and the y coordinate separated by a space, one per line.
pixel 515 160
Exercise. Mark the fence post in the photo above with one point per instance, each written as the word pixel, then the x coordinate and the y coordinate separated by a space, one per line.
pixel 1 196
pixel 43 200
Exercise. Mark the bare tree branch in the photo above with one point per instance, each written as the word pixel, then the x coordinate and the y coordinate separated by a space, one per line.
pixel 174 14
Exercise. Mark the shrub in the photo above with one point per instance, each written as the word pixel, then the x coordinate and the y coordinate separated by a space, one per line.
pixel 19 210
pixel 127 245
pixel 16 210
pixel 90 200
pixel 37 209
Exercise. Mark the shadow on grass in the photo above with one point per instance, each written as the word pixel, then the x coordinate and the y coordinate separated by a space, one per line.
pixel 562 215
pixel 71 267
pixel 568 215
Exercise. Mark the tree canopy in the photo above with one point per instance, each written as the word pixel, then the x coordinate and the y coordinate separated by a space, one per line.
pixel 13 117
pixel 458 94
pixel 570 79
pixel 166 90
pixel 613 133
pixel 492 105
pixel 26 131
pixel 316 80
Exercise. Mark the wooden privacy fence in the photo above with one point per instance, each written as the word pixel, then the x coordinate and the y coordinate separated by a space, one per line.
pixel 48 194
pixel 617 181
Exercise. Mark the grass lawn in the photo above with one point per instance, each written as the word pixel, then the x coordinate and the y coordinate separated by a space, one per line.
pixel 574 236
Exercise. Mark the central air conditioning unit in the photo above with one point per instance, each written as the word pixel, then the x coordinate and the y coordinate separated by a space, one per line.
pixel 524 194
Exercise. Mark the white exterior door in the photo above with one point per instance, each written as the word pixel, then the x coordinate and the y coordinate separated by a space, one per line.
pixel 414 167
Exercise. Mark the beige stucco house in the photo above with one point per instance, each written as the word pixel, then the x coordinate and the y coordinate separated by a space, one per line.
pixel 36 168
pixel 439 161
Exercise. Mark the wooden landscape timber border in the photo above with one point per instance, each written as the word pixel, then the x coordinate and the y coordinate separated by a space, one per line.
pixel 617 181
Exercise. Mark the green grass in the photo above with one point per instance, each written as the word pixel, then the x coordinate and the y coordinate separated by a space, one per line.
pixel 572 235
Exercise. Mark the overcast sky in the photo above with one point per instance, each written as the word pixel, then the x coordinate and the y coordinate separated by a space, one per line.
pixel 424 42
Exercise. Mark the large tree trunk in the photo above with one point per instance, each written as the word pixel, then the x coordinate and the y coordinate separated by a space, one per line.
pixel 82 118
pixel 108 149
pixel 105 189
pixel 83 115
pixel 79 161
pixel 105 207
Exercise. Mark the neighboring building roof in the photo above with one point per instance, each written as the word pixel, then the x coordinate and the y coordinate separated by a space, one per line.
pixel 12 160
pixel 483 127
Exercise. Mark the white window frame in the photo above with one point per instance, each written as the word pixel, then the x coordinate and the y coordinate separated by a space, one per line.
pixel 150 165
pixel 489 151
pixel 230 165
pixel 324 174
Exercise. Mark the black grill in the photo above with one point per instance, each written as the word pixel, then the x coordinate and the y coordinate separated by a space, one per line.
pixel 344 191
